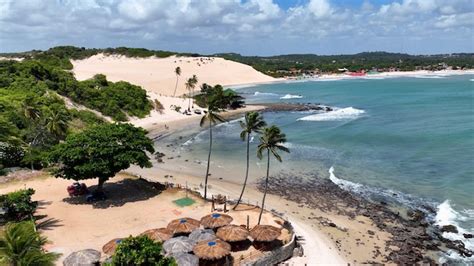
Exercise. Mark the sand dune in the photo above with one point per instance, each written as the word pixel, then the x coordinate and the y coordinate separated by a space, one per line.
pixel 157 74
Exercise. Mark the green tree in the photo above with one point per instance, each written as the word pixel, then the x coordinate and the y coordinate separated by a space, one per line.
pixel 21 245
pixel 30 109
pixel 253 123
pixel 177 71
pixel 56 121
pixel 140 250
pixel 101 152
pixel 213 117
pixel 271 141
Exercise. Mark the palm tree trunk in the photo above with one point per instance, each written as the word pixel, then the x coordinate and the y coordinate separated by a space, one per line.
pixel 100 185
pixel 189 103
pixel 208 159
pixel 266 187
pixel 176 86
pixel 192 95
pixel 246 173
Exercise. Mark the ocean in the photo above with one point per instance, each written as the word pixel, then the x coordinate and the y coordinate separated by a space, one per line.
pixel 406 139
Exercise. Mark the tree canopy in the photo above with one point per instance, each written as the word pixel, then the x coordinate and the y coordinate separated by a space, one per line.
pixel 101 152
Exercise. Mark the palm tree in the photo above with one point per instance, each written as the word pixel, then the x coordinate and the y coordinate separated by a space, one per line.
pixel 177 71
pixel 213 117
pixel 271 141
pixel 22 245
pixel 194 83
pixel 253 123
pixel 56 122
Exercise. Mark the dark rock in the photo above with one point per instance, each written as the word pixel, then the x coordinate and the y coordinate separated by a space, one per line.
pixel 370 232
pixel 467 235
pixel 332 224
pixel 449 228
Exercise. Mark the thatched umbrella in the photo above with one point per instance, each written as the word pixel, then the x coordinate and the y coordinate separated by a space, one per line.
pixel 232 233
pixel 212 250
pixel 265 233
pixel 180 244
pixel 159 235
pixel 183 225
pixel 186 259
pixel 111 246
pixel 83 257
pixel 216 220
pixel 199 235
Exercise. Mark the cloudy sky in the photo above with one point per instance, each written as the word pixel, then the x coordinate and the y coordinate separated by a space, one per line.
pixel 250 27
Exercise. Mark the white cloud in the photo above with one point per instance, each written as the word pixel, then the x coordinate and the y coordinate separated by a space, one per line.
pixel 320 8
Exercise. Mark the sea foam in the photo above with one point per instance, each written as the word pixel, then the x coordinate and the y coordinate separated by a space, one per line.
pixel 347 113
pixel 291 96
pixel 257 93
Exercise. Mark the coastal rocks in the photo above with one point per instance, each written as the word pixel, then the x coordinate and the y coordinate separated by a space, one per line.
pixel 467 235
pixel 295 107
pixel 449 228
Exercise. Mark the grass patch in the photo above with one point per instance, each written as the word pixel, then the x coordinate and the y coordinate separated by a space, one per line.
pixel 183 202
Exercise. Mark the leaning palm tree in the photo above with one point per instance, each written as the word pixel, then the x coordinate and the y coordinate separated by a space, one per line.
pixel 271 141
pixel 253 123
pixel 177 71
pixel 213 117
pixel 22 245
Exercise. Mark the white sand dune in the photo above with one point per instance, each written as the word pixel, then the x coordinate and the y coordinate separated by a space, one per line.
pixel 157 74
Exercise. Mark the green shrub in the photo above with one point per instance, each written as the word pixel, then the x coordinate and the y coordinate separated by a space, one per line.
pixel 140 250
pixel 11 155
pixel 18 205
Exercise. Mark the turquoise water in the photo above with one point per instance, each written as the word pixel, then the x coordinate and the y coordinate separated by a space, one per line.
pixel 409 137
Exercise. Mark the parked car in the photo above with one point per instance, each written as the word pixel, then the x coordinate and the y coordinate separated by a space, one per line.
pixel 77 189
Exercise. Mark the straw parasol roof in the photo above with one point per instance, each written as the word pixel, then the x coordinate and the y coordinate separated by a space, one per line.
pixel 199 235
pixel 183 225
pixel 111 246
pixel 212 250
pixel 232 233
pixel 83 257
pixel 216 220
pixel 265 233
pixel 186 259
pixel 160 234
pixel 180 244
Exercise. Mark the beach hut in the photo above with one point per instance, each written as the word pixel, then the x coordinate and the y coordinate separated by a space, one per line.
pixel 183 225
pixel 265 233
pixel 216 220
pixel 232 233
pixel 111 246
pixel 159 235
pixel 199 235
pixel 180 244
pixel 186 259
pixel 83 257
pixel 212 250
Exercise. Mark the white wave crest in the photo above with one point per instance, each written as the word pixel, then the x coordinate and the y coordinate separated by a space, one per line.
pixel 336 115
pixel 446 215
pixel 471 79
pixel 291 96
pixel 344 184
pixel 257 93
pixel 428 77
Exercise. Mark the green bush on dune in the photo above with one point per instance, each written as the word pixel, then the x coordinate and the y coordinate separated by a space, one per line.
pixel 140 250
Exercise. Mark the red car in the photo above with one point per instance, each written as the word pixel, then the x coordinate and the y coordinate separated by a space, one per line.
pixel 77 189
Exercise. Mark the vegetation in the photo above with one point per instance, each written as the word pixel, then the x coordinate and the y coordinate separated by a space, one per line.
pixel 253 123
pixel 177 71
pixel 101 152
pixel 190 85
pixel 22 245
pixel 18 205
pixel 224 99
pixel 212 116
pixel 271 141
pixel 293 64
pixel 140 250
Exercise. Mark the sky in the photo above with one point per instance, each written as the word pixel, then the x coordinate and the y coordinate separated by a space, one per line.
pixel 248 27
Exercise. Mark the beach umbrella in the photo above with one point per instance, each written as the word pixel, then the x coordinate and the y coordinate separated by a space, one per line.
pixel 111 246
pixel 202 235
pixel 83 257
pixel 265 233
pixel 185 259
pixel 183 225
pixel 212 250
pixel 232 233
pixel 180 244
pixel 216 220
pixel 159 235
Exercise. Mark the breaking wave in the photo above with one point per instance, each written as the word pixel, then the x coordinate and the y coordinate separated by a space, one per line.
pixel 291 96
pixel 257 93
pixel 347 113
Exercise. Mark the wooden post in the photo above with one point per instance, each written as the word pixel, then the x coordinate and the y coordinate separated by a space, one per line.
pixel 186 189
pixel 248 222
pixel 225 206
pixel 212 208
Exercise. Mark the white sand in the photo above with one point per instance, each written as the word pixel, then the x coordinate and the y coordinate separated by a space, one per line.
pixel 157 74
